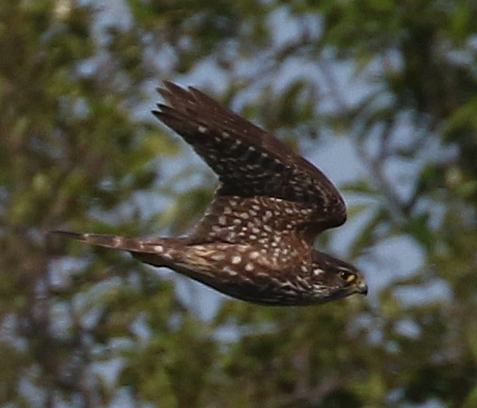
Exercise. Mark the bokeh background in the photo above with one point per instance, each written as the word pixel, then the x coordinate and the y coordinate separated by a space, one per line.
pixel 380 94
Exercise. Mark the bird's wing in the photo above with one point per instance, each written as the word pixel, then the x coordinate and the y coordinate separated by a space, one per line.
pixel 249 161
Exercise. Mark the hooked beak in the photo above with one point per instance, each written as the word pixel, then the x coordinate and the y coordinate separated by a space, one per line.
pixel 362 288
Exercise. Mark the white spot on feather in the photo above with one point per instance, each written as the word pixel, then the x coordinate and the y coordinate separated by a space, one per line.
pixel 230 271
pixel 219 256
pixel 254 254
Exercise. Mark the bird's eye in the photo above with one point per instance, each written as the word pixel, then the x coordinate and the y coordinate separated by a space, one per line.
pixel 347 277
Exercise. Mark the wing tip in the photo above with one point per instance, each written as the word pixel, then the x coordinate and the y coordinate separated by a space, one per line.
pixel 175 94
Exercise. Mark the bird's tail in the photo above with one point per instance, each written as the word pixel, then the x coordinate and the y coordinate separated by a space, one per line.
pixel 108 241
pixel 158 252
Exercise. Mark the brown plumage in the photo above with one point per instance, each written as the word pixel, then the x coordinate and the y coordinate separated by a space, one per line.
pixel 255 241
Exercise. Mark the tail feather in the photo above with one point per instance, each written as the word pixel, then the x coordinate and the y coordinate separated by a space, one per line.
pixel 113 241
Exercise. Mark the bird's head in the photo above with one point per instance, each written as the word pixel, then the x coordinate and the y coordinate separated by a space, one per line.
pixel 335 279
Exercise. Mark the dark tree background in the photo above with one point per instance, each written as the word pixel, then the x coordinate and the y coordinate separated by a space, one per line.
pixel 89 327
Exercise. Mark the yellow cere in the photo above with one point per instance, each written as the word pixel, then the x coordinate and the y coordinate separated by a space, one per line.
pixel 350 278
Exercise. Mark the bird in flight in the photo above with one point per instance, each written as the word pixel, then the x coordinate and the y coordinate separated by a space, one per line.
pixel 255 240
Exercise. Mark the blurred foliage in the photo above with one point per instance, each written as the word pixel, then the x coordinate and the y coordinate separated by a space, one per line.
pixel 97 328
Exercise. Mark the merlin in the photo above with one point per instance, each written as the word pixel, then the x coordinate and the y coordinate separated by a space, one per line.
pixel 255 240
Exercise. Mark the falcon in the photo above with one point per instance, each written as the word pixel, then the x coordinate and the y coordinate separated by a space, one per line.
pixel 255 240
